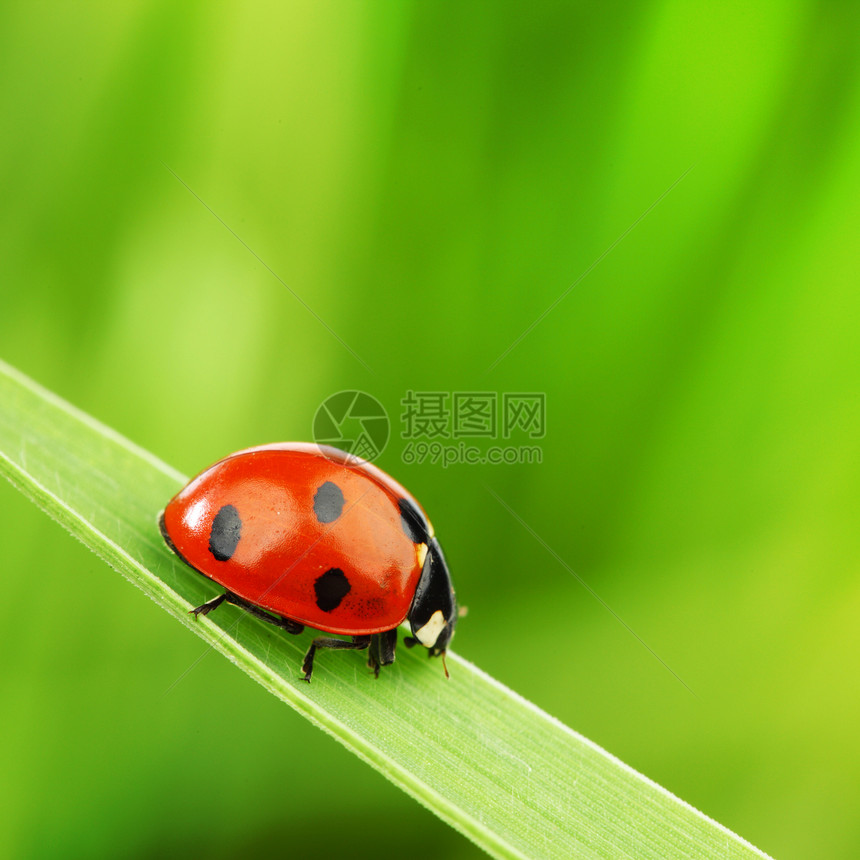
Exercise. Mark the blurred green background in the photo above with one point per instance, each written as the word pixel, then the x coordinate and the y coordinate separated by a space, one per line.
pixel 430 178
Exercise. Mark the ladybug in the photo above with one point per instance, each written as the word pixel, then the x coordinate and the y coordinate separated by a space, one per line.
pixel 308 535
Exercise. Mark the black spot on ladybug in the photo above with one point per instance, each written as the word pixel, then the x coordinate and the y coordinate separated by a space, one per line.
pixel 331 588
pixel 226 531
pixel 328 502
pixel 413 522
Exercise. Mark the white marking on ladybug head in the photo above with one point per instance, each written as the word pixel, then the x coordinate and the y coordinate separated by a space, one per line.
pixel 421 550
pixel 429 633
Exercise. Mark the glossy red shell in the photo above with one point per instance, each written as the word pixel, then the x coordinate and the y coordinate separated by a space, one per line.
pixel 284 548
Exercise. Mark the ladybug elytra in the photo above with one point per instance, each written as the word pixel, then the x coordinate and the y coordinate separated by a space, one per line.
pixel 307 535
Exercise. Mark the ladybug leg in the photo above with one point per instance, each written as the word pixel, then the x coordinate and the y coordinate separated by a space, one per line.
pixel 357 643
pixel 284 623
pixel 206 608
pixel 382 648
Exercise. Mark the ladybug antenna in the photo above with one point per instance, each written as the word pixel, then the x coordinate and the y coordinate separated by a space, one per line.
pixel 445 665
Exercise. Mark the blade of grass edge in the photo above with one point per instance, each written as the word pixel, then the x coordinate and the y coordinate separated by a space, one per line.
pixel 511 778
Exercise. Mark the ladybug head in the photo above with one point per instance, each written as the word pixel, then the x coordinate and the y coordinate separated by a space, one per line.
pixel 433 613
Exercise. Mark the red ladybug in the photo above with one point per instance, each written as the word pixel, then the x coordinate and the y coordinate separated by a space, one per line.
pixel 318 538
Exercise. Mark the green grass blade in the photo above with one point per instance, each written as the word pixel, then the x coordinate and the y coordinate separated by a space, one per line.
pixel 494 766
